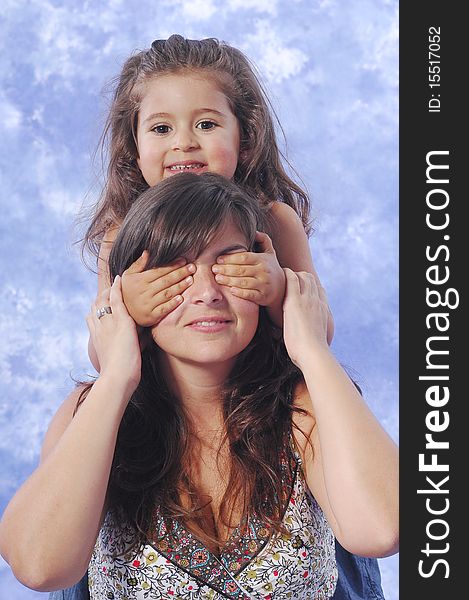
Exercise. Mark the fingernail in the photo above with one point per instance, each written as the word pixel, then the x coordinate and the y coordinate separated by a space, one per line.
pixel 191 268
pixel 220 260
pixel 189 279
pixel 215 269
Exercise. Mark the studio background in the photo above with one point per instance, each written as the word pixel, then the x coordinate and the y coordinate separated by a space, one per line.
pixel 331 70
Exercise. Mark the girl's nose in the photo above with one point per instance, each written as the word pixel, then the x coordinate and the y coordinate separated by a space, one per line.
pixel 185 140
pixel 204 289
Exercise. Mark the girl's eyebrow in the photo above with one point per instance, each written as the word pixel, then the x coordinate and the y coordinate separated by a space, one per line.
pixel 164 115
pixel 160 115
pixel 210 110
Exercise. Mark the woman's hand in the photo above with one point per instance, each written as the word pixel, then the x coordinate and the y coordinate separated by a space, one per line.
pixel 115 339
pixel 305 315
pixel 150 295
pixel 255 276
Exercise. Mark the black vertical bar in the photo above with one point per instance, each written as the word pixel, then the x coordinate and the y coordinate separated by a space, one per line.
pixel 433 305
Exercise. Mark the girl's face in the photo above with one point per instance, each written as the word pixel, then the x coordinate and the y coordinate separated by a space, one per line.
pixel 185 124
pixel 211 326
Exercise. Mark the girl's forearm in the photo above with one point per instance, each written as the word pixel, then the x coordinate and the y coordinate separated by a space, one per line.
pixel 359 459
pixel 49 528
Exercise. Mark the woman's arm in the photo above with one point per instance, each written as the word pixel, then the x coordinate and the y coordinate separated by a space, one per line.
pixel 49 528
pixel 351 463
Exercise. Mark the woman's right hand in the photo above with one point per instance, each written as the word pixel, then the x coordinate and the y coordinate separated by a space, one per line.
pixel 150 295
pixel 115 338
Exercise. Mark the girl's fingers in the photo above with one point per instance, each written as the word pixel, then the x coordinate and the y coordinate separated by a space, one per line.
pixel 236 270
pixel 264 241
pixel 152 275
pixel 170 292
pixel 139 265
pixel 160 311
pixel 239 258
pixel 241 282
pixel 168 276
pixel 248 294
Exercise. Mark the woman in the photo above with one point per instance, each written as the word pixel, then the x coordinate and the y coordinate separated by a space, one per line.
pixel 220 461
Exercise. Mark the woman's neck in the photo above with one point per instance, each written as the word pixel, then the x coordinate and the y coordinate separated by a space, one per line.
pixel 199 387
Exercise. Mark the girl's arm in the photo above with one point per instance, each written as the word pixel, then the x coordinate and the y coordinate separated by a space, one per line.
pixel 49 528
pixel 351 464
pixel 292 247
pixel 103 281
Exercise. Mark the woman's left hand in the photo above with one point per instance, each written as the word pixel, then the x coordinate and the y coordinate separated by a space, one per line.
pixel 255 276
pixel 305 315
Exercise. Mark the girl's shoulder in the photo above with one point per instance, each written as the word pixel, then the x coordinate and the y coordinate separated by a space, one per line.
pixel 283 213
pixel 284 222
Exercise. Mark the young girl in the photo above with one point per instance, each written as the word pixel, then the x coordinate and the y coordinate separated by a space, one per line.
pixel 197 105
pixel 218 462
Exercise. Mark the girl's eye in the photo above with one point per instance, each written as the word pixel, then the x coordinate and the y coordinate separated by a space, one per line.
pixel 206 125
pixel 161 129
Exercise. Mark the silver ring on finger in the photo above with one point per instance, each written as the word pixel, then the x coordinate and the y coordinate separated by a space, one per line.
pixel 104 310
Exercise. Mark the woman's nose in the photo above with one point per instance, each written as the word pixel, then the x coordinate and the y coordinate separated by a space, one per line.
pixel 204 289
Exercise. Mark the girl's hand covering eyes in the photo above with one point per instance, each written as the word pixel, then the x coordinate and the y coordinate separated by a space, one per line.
pixel 151 295
pixel 255 276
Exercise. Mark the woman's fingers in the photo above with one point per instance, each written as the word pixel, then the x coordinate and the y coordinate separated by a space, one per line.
pixel 115 296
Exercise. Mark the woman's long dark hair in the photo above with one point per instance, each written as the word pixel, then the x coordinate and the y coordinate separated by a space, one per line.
pixel 152 460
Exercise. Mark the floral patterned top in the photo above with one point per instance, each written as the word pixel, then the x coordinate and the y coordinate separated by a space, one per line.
pixel 298 564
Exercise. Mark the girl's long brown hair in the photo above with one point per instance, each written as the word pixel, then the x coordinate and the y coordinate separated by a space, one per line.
pixel 155 449
pixel 260 170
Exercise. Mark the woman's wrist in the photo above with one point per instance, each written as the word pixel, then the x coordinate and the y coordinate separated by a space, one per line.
pixel 314 355
pixel 119 388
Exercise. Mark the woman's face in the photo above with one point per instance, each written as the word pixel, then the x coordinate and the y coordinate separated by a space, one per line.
pixel 211 326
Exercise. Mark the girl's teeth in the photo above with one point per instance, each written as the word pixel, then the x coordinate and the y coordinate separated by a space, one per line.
pixel 207 323
pixel 184 167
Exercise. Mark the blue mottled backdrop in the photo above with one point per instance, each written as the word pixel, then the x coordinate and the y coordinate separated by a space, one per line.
pixel 331 67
